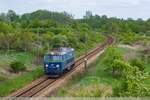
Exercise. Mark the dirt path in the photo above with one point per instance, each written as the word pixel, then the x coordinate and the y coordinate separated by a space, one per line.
pixel 128 46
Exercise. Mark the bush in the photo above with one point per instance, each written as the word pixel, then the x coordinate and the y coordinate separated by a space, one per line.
pixel 112 54
pixel 139 63
pixel 132 81
pixel 17 66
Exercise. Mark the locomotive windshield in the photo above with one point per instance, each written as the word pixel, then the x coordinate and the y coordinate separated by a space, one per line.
pixel 56 58
pixel 52 58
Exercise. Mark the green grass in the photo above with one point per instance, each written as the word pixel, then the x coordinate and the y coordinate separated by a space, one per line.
pixel 11 85
pixel 96 75
pixel 124 50
pixel 147 68
pixel 25 58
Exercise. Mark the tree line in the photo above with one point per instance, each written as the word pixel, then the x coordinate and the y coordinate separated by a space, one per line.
pixel 45 29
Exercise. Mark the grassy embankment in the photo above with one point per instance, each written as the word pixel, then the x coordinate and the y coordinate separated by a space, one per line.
pixel 96 82
pixel 15 83
pixel 6 59
pixel 8 85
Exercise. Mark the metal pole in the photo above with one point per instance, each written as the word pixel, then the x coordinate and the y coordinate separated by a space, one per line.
pixel 85 52
pixel 38 46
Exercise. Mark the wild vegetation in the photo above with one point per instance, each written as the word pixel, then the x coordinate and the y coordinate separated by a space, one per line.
pixel 112 76
pixel 24 39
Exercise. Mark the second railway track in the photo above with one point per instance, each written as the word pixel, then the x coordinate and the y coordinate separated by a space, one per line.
pixel 34 89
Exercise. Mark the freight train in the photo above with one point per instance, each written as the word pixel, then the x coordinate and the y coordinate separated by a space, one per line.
pixel 58 61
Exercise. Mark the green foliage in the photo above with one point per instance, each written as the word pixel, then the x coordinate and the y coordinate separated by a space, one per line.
pixel 73 41
pixel 29 31
pixel 44 14
pixel 132 76
pixel 6 40
pixel 112 54
pixel 12 16
pixel 23 41
pixel 139 63
pixel 17 66
pixel 59 40
pixel 132 81
pixel 5 28
pixel 130 38
pixel 133 87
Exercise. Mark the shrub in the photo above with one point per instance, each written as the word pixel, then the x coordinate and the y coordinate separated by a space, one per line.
pixel 139 63
pixel 17 66
pixel 112 54
pixel 132 81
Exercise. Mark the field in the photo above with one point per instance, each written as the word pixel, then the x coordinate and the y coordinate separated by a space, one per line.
pixel 96 82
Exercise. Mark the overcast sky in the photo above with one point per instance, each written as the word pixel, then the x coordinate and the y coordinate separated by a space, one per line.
pixel 113 8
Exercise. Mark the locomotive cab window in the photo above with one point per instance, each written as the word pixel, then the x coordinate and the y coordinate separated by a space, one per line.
pixel 56 58
pixel 52 57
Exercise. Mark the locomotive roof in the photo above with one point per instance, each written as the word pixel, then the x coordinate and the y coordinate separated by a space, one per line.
pixel 61 51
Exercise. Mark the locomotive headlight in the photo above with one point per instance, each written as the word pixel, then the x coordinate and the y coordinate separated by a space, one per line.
pixel 57 66
pixel 46 65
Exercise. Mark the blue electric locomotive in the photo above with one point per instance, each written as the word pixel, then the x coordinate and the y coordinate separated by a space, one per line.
pixel 59 60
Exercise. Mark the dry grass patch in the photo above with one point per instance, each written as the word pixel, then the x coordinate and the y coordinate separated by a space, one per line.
pixel 94 90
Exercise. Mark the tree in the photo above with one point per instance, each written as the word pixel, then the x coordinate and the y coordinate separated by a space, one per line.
pixel 12 16
pixel 111 27
pixel 3 17
pixel 5 28
pixel 73 40
pixel 112 54
pixel 63 17
pixel 2 41
pixel 6 39
pixel 24 41
pixel 47 39
pixel 59 40
pixel 9 37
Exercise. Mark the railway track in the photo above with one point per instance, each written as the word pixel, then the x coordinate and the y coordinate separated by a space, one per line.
pixel 35 88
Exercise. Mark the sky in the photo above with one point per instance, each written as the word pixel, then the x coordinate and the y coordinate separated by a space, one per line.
pixel 112 8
